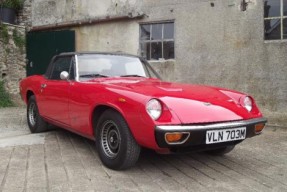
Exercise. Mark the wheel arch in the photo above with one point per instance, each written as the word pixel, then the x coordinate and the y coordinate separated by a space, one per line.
pixel 28 95
pixel 98 111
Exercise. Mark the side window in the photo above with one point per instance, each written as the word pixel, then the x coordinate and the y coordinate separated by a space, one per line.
pixel 60 64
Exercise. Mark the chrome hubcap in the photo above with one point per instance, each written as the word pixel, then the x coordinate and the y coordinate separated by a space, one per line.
pixel 32 114
pixel 110 139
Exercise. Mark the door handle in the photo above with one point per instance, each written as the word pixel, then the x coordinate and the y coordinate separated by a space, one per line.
pixel 43 86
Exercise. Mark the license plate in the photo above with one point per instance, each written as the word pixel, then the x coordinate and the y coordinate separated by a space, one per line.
pixel 224 135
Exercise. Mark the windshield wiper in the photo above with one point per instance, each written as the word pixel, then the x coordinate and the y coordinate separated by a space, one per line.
pixel 132 76
pixel 93 75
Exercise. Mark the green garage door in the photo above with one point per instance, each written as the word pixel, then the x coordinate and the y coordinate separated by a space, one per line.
pixel 42 46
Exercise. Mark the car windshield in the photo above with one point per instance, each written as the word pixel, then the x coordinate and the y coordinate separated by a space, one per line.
pixel 105 65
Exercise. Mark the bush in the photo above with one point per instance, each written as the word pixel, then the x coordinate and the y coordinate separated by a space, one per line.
pixel 4 36
pixel 5 100
pixel 13 4
pixel 19 39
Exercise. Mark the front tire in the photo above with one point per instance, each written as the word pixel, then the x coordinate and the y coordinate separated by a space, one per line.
pixel 35 122
pixel 115 144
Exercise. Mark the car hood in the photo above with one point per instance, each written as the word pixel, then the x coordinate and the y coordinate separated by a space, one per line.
pixel 191 103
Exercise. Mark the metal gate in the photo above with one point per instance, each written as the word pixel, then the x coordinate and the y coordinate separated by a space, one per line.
pixel 42 46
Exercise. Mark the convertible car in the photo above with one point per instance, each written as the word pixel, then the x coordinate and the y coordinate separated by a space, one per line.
pixel 119 101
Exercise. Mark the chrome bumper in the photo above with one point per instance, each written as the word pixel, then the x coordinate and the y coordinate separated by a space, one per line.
pixel 211 126
pixel 196 134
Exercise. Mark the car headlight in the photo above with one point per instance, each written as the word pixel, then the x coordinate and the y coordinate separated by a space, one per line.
pixel 154 109
pixel 247 103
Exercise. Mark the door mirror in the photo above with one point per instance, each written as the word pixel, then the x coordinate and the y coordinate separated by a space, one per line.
pixel 64 75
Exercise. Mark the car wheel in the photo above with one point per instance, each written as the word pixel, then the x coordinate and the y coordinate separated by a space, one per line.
pixel 115 144
pixel 220 151
pixel 35 121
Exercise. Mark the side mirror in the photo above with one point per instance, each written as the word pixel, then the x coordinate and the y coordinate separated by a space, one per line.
pixel 64 75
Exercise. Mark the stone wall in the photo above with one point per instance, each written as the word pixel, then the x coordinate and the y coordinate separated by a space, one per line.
pixel 12 62
pixel 13 55
pixel 24 15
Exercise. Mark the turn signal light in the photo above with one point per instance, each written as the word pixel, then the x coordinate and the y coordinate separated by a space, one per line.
pixel 173 137
pixel 176 137
pixel 259 127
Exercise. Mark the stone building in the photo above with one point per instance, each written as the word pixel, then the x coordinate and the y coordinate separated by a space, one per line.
pixel 236 44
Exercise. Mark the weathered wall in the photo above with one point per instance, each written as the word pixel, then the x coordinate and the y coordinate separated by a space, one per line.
pixel 53 11
pixel 218 45
pixel 12 63
pixel 106 37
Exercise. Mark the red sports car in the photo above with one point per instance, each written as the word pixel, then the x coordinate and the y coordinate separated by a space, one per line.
pixel 119 101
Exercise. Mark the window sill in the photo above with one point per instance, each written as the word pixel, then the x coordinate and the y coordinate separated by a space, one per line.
pixel 161 61
pixel 275 41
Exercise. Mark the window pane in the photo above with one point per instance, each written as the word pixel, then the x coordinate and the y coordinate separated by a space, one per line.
pixel 168 50
pixel 60 65
pixel 156 50
pixel 156 31
pixel 145 32
pixel 168 31
pixel 145 50
pixel 156 41
pixel 285 29
pixel 272 29
pixel 285 7
pixel 271 8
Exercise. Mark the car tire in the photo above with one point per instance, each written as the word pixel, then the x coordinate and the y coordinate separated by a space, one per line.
pixel 115 143
pixel 35 122
pixel 220 151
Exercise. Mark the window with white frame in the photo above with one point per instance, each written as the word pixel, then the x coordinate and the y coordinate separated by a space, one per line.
pixel 157 40
pixel 275 19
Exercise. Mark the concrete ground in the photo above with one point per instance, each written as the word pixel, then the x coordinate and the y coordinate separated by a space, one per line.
pixel 61 161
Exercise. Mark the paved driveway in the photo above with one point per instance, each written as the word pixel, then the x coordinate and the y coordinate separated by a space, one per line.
pixel 61 161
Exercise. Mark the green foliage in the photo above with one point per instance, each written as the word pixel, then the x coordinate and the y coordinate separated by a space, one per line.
pixel 5 100
pixel 13 4
pixel 4 36
pixel 19 39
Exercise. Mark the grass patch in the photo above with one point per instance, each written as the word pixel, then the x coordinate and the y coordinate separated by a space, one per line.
pixel 5 100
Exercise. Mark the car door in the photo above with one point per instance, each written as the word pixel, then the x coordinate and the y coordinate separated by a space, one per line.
pixel 55 92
